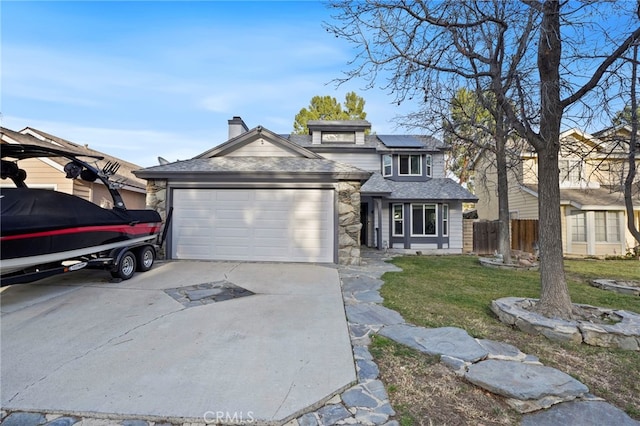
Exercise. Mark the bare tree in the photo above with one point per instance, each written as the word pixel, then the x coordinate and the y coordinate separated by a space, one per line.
pixel 541 59
pixel 476 123
pixel 633 146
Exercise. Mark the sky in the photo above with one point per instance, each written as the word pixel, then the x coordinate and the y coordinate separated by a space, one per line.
pixel 144 79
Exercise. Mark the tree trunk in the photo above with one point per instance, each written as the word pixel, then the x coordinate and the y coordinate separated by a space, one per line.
pixel 504 230
pixel 631 159
pixel 554 294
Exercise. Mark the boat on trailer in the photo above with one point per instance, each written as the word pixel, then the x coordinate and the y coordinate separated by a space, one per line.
pixel 45 232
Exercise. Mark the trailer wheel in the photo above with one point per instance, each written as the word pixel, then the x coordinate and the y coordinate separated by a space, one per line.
pixel 126 267
pixel 145 257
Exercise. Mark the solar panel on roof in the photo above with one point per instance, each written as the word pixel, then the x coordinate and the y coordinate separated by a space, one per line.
pixel 401 141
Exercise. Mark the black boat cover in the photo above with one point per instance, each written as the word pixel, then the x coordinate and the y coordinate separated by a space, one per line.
pixel 25 210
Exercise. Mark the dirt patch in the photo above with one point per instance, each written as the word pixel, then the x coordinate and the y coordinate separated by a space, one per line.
pixel 595 316
pixel 588 314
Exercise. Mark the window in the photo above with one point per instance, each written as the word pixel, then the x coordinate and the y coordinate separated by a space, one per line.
pixel 445 220
pixel 339 137
pixel 570 171
pixel 607 227
pixel 398 220
pixel 386 165
pixel 423 219
pixel 578 227
pixel 427 165
pixel 410 165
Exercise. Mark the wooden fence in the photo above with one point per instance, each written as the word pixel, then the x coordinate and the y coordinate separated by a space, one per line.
pixel 485 237
pixel 524 236
pixel 467 235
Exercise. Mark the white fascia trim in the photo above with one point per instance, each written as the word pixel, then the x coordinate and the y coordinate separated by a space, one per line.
pixel 250 185
pixel 528 190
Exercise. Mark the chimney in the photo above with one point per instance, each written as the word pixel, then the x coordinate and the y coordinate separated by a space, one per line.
pixel 237 127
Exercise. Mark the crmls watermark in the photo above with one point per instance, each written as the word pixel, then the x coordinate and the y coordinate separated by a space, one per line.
pixel 227 417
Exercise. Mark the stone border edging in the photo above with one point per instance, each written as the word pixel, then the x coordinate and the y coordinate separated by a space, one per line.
pixel 624 334
pixel 616 286
pixel 495 263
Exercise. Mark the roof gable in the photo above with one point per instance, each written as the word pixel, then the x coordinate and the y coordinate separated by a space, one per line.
pixel 579 142
pixel 258 142
pixel 32 136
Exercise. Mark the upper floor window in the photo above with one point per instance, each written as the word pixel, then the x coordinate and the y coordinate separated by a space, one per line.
pixel 427 164
pixel 607 226
pixel 410 165
pixel 348 137
pixel 386 165
pixel 570 171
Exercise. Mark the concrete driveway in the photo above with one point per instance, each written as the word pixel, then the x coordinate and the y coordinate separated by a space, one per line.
pixel 80 344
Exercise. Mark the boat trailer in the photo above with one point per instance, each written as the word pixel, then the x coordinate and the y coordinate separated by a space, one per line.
pixel 121 262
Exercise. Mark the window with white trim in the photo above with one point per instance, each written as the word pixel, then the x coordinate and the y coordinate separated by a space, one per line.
pixel 410 165
pixel 445 220
pixel 427 164
pixel 386 165
pixel 579 227
pixel 607 227
pixel 398 220
pixel 570 171
pixel 424 220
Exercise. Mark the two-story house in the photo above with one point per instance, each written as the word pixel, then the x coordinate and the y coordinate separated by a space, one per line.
pixel 263 196
pixel 592 170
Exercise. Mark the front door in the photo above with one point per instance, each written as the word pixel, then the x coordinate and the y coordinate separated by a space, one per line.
pixel 364 220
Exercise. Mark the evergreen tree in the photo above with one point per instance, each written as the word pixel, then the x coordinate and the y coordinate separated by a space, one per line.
pixel 328 108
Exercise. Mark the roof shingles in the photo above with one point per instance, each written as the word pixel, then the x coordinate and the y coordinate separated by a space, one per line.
pixel 436 189
pixel 246 165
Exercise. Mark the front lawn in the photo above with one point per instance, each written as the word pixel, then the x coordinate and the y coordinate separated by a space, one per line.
pixel 438 291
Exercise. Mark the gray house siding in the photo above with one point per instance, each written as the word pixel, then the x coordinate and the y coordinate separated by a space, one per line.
pixel 369 161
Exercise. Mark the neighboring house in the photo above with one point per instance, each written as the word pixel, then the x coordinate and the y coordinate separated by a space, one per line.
pixel 309 198
pixel 592 170
pixel 48 172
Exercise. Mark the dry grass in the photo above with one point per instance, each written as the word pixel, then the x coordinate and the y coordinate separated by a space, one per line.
pixel 456 291
pixel 425 392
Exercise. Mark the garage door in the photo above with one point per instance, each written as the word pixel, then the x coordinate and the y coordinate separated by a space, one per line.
pixel 290 225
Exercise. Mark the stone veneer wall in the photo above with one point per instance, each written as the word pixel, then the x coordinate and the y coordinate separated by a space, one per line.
pixel 157 200
pixel 348 216
pixel 349 225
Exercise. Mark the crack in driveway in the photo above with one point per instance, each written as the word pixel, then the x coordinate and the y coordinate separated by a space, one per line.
pixel 94 349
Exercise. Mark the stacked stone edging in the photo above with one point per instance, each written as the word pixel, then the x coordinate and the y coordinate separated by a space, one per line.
pixel 522 265
pixel 623 334
pixel 623 287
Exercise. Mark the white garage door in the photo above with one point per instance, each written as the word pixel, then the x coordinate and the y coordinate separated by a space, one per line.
pixel 290 225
